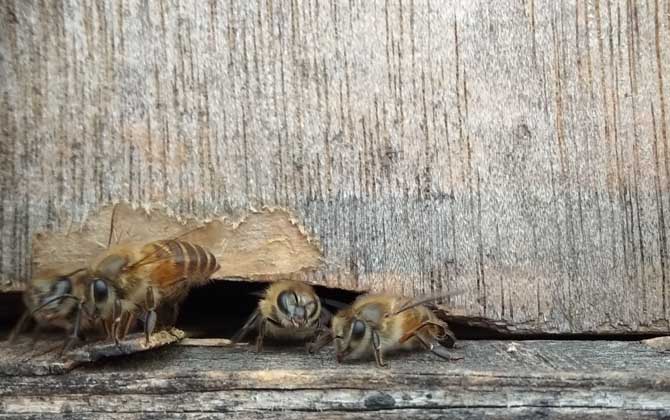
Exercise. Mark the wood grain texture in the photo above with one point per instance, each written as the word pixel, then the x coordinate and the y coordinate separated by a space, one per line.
pixel 553 413
pixel 517 149
pixel 42 355
pixel 548 379
pixel 658 343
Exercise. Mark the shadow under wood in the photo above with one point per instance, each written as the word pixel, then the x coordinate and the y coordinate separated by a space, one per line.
pixel 219 309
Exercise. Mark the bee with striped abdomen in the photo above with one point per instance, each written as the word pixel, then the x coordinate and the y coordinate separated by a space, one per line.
pixel 125 281
pixel 378 323
pixel 133 279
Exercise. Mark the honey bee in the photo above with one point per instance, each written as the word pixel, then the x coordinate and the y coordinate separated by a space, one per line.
pixel 52 299
pixel 379 323
pixel 287 310
pixel 133 279
pixel 126 281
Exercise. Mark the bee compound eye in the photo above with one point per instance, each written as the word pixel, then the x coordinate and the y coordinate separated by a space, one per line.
pixel 286 302
pixel 299 312
pixel 358 329
pixel 100 290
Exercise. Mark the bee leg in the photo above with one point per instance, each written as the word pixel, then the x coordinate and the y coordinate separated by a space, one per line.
pixel 20 325
pixel 321 340
pixel 377 346
pixel 261 335
pixel 75 331
pixel 149 326
pixel 433 345
pixel 36 334
pixel 117 314
pixel 174 315
pixel 127 320
pixel 107 326
pixel 251 324
pixel 150 323
pixel 171 322
pixel 446 332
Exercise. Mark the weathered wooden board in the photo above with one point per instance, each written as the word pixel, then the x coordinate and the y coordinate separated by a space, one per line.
pixel 554 413
pixel 550 379
pixel 517 149
pixel 658 343
pixel 44 355
pixel 438 413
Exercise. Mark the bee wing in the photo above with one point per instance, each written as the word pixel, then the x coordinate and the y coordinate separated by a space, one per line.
pixel 435 346
pixel 321 340
pixel 150 258
pixel 251 324
pixel 429 299
pixel 165 272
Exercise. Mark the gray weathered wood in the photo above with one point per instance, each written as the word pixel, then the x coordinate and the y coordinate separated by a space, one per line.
pixel 658 343
pixel 437 413
pixel 43 354
pixel 510 380
pixel 133 343
pixel 517 149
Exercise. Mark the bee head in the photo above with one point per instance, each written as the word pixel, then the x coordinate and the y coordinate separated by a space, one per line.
pixel 50 297
pixel 298 308
pixel 350 334
pixel 101 294
pixel 352 329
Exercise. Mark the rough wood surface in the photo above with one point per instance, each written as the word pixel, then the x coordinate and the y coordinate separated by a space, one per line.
pixel 550 379
pixel 438 413
pixel 91 352
pixel 43 356
pixel 658 343
pixel 517 149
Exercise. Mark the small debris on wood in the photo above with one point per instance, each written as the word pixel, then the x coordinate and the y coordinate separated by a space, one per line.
pixel 658 343
pixel 206 342
pixel 512 347
pixel 134 343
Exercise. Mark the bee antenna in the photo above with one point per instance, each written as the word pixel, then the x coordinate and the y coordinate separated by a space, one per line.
pixel 258 293
pixel 111 225
pixel 52 300
pixel 188 232
pixel 79 270
pixel 426 300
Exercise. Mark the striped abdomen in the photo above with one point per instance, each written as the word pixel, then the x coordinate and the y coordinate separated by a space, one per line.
pixel 178 261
